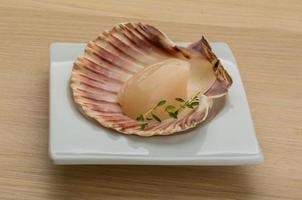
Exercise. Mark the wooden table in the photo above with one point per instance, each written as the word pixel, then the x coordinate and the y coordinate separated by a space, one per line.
pixel 266 38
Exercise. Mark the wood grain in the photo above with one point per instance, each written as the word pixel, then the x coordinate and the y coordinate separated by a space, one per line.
pixel 266 37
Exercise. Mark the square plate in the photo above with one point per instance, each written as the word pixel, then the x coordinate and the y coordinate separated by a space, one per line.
pixel 229 139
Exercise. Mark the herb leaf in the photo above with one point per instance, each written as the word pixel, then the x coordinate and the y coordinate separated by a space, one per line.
pixel 160 103
pixel 140 118
pixel 143 126
pixel 156 117
pixel 172 110
pixel 179 99
pixel 173 114
pixel 169 108
pixel 195 103
pixel 189 106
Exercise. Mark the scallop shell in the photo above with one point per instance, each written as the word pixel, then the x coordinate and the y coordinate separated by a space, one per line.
pixel 115 56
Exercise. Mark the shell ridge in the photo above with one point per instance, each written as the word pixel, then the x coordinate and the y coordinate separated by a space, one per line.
pixel 127 49
pixel 113 59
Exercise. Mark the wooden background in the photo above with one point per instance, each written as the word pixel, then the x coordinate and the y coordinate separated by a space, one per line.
pixel 266 38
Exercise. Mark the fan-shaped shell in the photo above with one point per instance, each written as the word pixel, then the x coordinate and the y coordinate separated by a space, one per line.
pixel 115 56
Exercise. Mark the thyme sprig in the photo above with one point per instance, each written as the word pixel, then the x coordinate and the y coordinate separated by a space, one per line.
pixel 172 110
pixel 150 115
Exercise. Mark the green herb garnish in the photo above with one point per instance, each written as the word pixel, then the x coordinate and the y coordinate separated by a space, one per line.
pixel 143 126
pixel 156 117
pixel 140 118
pixel 172 110
pixel 160 103
pixel 179 99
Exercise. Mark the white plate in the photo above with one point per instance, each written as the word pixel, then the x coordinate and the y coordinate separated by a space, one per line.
pixel 229 139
